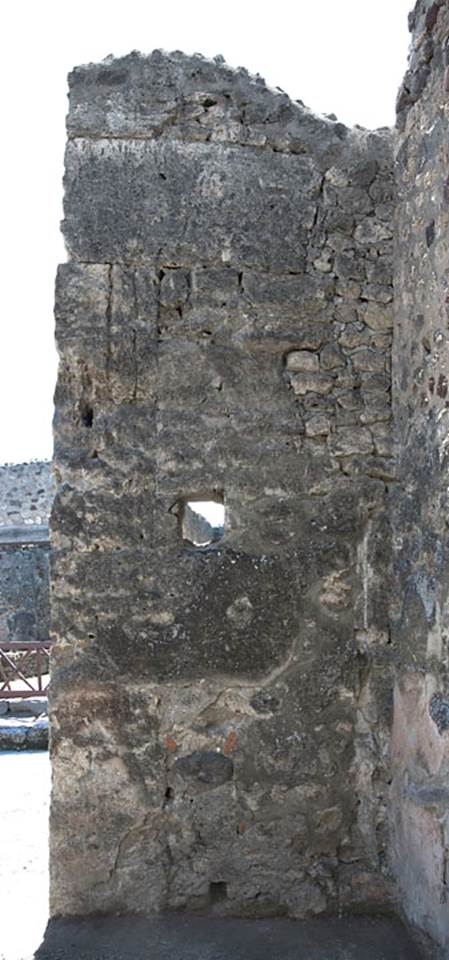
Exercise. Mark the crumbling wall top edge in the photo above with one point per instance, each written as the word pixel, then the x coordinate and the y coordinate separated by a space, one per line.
pixel 176 95
pixel 34 462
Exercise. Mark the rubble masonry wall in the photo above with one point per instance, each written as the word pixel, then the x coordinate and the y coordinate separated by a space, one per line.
pixel 220 715
pixel 419 803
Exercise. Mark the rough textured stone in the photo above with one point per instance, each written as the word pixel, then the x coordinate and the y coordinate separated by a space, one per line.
pixel 219 733
pixel 302 361
pixel 209 767
pixel 420 841
pixel 439 711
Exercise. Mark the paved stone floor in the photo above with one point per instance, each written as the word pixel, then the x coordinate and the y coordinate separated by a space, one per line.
pixel 187 938
pixel 24 793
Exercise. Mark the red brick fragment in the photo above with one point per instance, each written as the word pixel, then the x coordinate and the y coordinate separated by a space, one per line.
pixel 230 742
pixel 431 17
pixel 170 744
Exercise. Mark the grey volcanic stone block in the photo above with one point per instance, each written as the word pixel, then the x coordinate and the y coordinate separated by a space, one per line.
pixel 205 767
pixel 193 211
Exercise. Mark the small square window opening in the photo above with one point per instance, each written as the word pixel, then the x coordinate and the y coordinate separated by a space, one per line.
pixel 202 521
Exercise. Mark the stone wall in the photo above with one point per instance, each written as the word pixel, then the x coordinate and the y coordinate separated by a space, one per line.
pixel 220 714
pixel 24 576
pixel 26 493
pixel 420 509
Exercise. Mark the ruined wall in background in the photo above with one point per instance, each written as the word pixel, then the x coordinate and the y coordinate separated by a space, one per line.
pixel 220 715
pixel 26 494
pixel 421 509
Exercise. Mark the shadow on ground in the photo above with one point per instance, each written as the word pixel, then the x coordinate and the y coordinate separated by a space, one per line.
pixel 189 938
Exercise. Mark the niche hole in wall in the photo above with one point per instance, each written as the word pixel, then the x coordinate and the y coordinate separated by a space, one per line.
pixel 86 413
pixel 218 892
pixel 202 519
